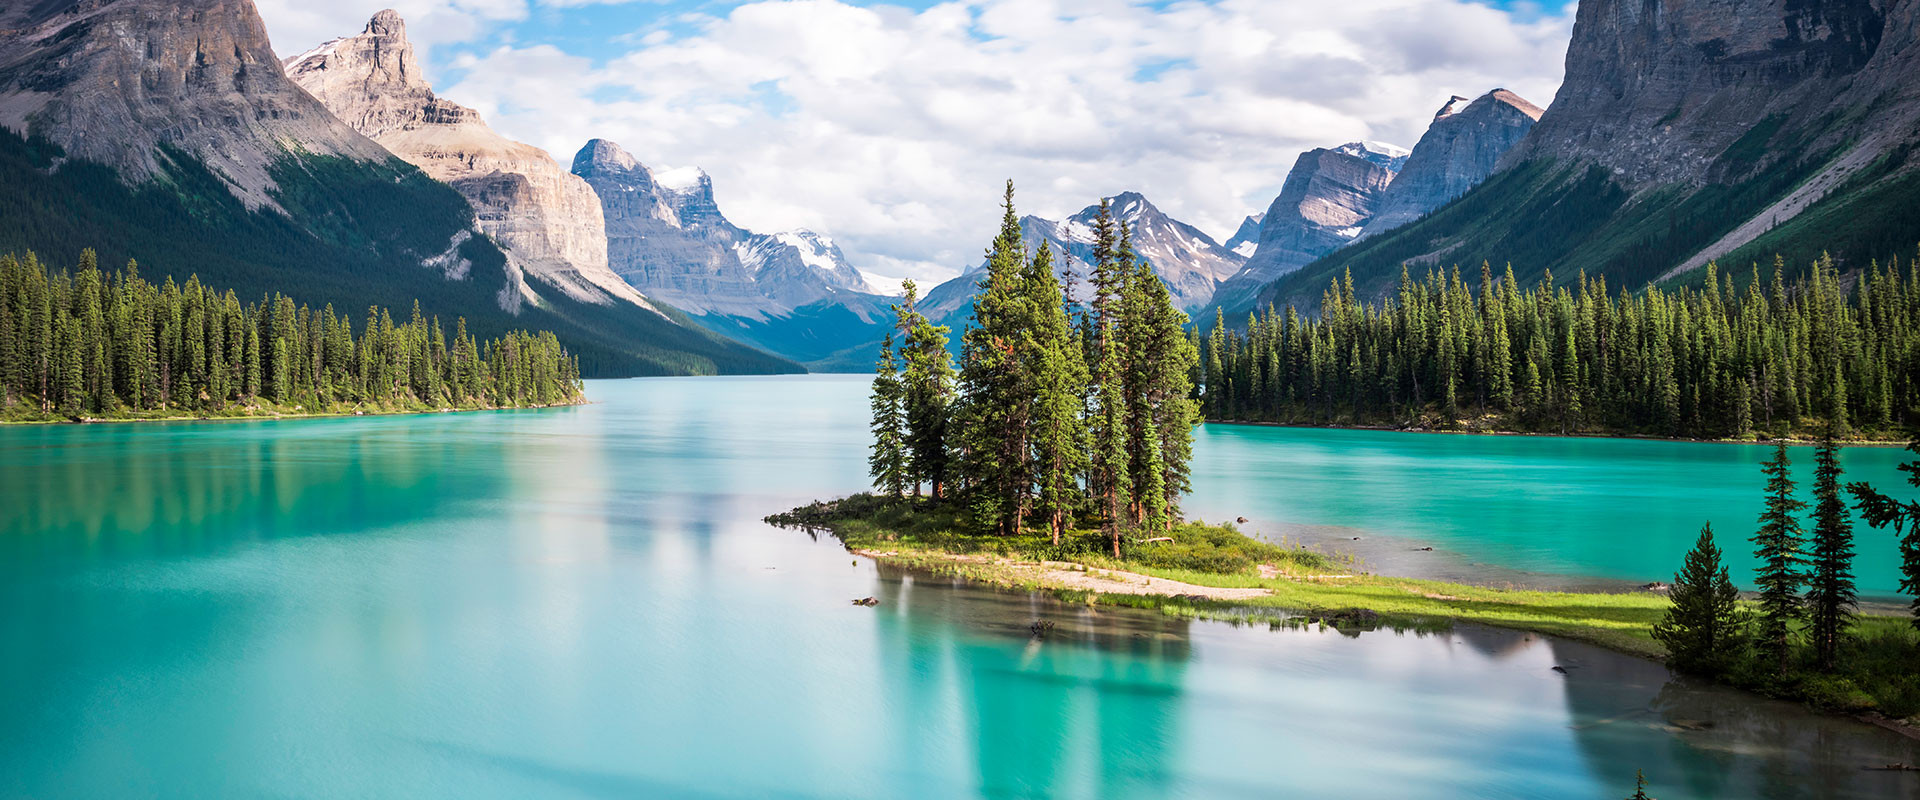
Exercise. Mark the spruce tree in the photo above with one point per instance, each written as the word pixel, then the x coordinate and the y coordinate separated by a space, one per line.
pixel 887 461
pixel 1059 402
pixel 927 390
pixel 996 380
pixel 1703 627
pixel 1778 546
pixel 1830 592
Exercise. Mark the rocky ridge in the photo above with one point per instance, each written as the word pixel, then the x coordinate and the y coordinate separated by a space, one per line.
pixel 1328 199
pixel 549 221
pixel 1459 150
pixel 121 83
pixel 668 237
pixel 1188 261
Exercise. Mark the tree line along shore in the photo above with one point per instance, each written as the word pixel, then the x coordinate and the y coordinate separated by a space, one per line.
pixel 1732 359
pixel 88 344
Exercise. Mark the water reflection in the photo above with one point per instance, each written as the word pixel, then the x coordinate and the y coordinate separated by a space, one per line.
pixel 584 602
pixel 1087 706
pixel 166 489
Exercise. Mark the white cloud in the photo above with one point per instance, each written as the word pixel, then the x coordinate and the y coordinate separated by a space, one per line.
pixel 892 129
pixel 298 25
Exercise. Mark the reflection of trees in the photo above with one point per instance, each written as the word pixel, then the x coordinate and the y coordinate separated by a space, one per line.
pixel 1700 740
pixel 130 490
pixel 1101 691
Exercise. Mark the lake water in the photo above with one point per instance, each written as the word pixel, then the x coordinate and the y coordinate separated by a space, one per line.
pixel 1537 509
pixel 582 603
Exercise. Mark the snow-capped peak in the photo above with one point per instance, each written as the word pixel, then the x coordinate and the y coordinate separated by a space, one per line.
pixel 680 180
pixel 1387 155
pixel 816 251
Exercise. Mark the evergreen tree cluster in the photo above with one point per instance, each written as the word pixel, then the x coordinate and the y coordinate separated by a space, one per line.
pixel 89 343
pixel 1059 411
pixel 1805 581
pixel 1722 361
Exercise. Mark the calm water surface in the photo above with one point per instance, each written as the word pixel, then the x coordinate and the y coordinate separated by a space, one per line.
pixel 582 603
pixel 1541 509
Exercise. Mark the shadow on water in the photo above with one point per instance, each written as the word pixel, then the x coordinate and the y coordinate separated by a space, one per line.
pixel 1721 742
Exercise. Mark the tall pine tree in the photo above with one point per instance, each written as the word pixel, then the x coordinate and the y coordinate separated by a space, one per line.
pixel 1777 546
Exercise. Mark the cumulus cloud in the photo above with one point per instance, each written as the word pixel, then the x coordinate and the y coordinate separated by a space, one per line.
pixel 891 128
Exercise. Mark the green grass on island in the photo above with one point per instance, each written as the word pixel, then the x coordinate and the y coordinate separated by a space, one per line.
pixel 1305 586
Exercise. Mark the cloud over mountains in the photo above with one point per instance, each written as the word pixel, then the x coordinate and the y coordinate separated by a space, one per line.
pixel 891 127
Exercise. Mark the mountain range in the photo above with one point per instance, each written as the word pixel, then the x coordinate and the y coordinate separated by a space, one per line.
pixel 791 293
pixel 1687 133
pixel 169 132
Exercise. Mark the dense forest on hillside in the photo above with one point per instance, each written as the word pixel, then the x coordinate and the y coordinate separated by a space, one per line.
pixel 355 234
pixel 93 344
pixel 1732 359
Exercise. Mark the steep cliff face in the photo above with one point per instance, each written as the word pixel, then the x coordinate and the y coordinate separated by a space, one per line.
pixel 117 82
pixel 1459 150
pixel 1327 200
pixel 1656 91
pixel 1689 131
pixel 668 237
pixel 692 267
pixel 792 293
pixel 550 221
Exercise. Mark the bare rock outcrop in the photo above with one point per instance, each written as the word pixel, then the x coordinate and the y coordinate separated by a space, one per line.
pixel 667 236
pixel 123 81
pixel 1327 200
pixel 1459 150
pixel 549 221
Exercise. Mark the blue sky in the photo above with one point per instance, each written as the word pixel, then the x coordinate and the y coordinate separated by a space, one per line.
pixel 889 126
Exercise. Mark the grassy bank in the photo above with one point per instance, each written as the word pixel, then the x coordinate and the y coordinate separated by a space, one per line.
pixel 1215 571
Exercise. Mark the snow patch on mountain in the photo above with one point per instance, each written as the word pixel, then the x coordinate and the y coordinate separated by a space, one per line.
pixel 680 180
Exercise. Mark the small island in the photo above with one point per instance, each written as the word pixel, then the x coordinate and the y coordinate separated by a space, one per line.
pixel 1055 456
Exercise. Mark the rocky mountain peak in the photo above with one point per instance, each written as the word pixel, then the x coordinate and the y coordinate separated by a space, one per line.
pixel 1187 260
pixel 603 155
pixel 1328 198
pixel 549 220
pixel 387 22
pixel 1247 238
pixel 1460 149
pixel 114 81
pixel 667 236
pixel 1379 153
pixel 1453 106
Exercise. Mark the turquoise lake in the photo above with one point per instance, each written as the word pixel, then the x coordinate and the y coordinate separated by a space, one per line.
pixel 1548 510
pixel 583 602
